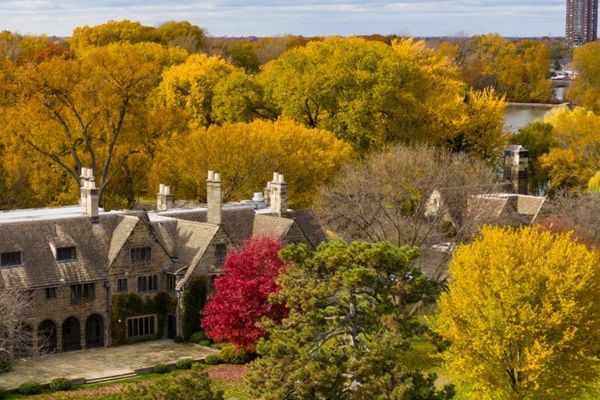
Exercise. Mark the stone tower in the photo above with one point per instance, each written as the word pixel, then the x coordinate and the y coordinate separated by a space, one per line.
pixel 516 159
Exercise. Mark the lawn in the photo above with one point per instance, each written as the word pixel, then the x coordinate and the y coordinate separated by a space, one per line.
pixel 228 378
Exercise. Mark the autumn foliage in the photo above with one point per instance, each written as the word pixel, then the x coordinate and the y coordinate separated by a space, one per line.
pixel 522 315
pixel 241 298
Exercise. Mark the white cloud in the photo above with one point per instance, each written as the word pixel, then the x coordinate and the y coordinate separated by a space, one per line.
pixel 307 17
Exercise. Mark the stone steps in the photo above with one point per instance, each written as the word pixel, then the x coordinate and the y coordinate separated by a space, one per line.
pixel 111 378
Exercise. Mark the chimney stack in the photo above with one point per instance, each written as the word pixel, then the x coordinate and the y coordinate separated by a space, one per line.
pixel 278 195
pixel 516 168
pixel 214 198
pixel 164 198
pixel 89 195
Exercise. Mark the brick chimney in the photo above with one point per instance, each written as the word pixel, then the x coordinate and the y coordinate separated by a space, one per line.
pixel 278 198
pixel 164 198
pixel 214 198
pixel 515 168
pixel 89 195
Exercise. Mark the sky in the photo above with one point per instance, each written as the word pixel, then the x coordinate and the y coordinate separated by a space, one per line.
pixel 304 17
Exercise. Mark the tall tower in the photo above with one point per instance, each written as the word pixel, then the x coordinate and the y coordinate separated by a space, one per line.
pixel 582 21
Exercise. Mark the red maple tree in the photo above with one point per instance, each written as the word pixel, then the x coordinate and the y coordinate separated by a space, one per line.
pixel 241 297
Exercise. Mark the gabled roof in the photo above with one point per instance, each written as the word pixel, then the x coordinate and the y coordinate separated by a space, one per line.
pixel 269 225
pixel 236 220
pixel 35 239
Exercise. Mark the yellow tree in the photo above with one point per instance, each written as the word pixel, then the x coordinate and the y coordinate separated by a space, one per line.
pixel 574 156
pixel 367 93
pixel 594 183
pixel 521 315
pixel 585 90
pixel 92 111
pixel 482 133
pixel 211 90
pixel 246 154
pixel 111 32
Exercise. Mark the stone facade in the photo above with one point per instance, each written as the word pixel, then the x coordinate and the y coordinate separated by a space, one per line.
pixel 138 254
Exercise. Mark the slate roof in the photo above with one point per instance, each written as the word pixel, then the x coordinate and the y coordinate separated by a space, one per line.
pixel 237 220
pixel 35 238
pixel 508 208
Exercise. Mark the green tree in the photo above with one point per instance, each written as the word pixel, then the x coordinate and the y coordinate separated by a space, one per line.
pixel 348 325
pixel 367 93
pixel 183 34
pixel 537 137
pixel 211 91
pixel 194 385
pixel 521 315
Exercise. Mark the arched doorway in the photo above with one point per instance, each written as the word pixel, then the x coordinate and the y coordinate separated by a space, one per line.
pixel 71 334
pixel 47 336
pixel 171 326
pixel 94 331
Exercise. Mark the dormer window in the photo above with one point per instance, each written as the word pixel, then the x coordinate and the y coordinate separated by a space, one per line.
pixel 66 254
pixel 10 259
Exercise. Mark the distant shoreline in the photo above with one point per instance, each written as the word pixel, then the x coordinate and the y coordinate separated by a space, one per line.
pixel 540 105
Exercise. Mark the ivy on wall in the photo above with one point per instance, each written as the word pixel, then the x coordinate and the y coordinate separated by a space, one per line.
pixel 131 305
pixel 194 300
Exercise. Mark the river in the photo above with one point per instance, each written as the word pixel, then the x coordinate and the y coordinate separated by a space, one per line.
pixel 517 115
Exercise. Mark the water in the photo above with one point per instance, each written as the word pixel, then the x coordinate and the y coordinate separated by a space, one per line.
pixel 517 116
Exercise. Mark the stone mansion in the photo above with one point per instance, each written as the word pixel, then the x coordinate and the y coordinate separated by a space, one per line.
pixel 76 261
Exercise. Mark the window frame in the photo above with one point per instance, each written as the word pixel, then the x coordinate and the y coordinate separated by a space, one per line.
pixel 141 325
pixel 220 253
pixel 140 254
pixel 50 293
pixel 147 283
pixel 9 263
pixel 120 287
pixel 72 252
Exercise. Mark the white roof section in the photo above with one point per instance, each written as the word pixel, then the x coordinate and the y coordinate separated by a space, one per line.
pixel 37 214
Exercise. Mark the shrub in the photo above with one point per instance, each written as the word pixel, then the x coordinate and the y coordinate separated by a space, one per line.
pixel 230 354
pixel 30 387
pixel 59 384
pixel 3 393
pixel 178 339
pixel 211 360
pixel 194 384
pixel 194 299
pixel 186 363
pixel 160 369
pixel 5 365
pixel 198 337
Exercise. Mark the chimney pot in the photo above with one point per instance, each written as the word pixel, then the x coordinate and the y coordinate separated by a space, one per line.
pixel 164 198
pixel 275 176
pixel 89 195
pixel 214 198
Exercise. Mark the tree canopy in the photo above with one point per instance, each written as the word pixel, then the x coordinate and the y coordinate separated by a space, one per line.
pixel 585 90
pixel 246 154
pixel 521 315
pixel 574 156
pixel 235 311
pixel 367 93
pixel 347 328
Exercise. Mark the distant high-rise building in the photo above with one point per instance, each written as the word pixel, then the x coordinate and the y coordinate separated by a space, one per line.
pixel 582 21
